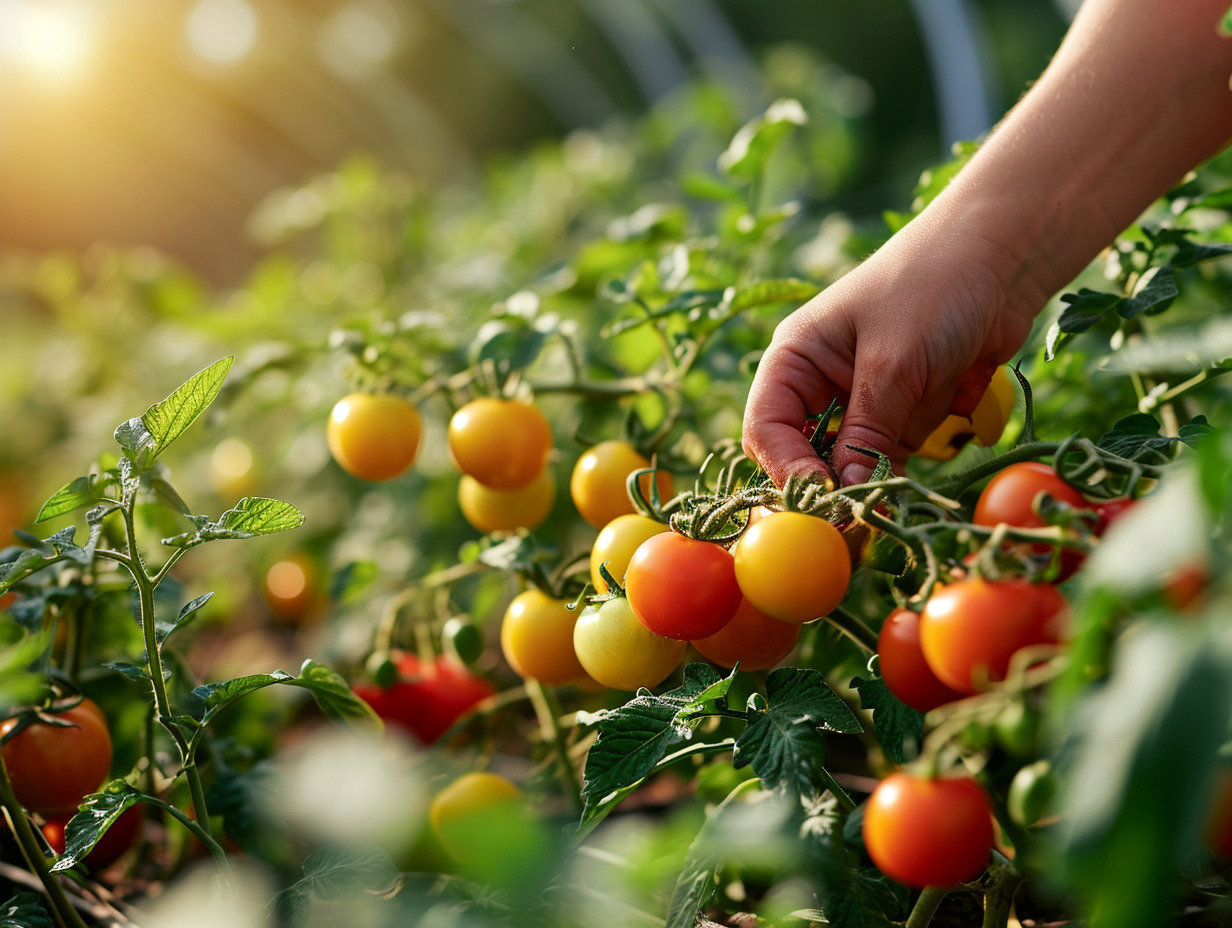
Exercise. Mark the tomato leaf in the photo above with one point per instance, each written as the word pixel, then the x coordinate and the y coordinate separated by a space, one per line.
pixel 1138 763
pixel 635 737
pixel 251 517
pixel 95 815
pixel 51 550
pixel 25 910
pixel 331 692
pixel 1154 293
pixel 187 613
pixel 756 140
pixel 783 742
pixel 1189 253
pixel 898 727
pixel 164 422
pixel 333 874
pixel 77 493
pixel 1137 437
pixel 1085 308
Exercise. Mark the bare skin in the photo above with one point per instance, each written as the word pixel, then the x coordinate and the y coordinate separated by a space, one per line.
pixel 1137 95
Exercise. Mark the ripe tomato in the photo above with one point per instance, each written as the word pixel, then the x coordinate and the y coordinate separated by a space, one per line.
pixel 682 588
pixel 600 477
pixel 427 698
pixel 52 767
pixel 537 638
pixel 615 546
pixel 971 628
pixel 493 510
pixel 110 847
pixel 906 673
pixel 754 639
pixel 928 831
pixel 619 651
pixel 373 436
pixel 1008 496
pixel 1111 510
pixel 501 443
pixel 793 567
pixel 985 424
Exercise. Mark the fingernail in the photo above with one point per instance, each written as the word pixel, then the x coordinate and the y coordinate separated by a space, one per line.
pixel 855 473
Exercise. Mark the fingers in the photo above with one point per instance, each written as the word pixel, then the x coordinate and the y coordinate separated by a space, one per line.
pixel 788 388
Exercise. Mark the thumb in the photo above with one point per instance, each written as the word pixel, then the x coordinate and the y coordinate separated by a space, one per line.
pixel 874 420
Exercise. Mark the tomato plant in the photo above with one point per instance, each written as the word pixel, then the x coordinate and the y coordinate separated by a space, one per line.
pixel 494 510
pixel 792 566
pixel 54 761
pixel 502 444
pixel 616 544
pixel 903 667
pixel 681 587
pixel 537 638
pixel 598 484
pixel 928 831
pixel 972 628
pixel 617 650
pixel 373 436
pixel 428 697
pixel 752 639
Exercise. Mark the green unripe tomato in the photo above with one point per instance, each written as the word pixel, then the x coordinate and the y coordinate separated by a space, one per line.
pixel 1016 728
pixel 463 639
pixel 1031 793
pixel 381 669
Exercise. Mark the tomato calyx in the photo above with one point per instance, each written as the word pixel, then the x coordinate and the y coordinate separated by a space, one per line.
pixel 50 712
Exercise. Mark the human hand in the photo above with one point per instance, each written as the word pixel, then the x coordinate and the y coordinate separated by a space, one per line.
pixel 912 334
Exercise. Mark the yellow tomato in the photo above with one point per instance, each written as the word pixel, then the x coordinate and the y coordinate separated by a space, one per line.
pixel 599 484
pixel 616 544
pixel 500 443
pixel 537 638
pixel 493 510
pixel 619 651
pixel 986 424
pixel 373 436
pixel 792 566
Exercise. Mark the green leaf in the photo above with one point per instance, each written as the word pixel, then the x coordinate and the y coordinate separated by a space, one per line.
pixel 330 690
pixel 352 580
pixel 1154 293
pixel 251 517
pixel 186 615
pixel 136 672
pixel 335 874
pixel 783 742
pixel 167 494
pixel 1135 437
pixel 1084 308
pixel 757 139
pixel 765 292
pixel 1189 253
pixel 707 855
pixel 148 437
pixel 898 727
pixel 51 550
pixel 82 491
pixel 1195 430
pixel 1225 22
pixel 1140 758
pixel 513 345
pixel 25 910
pixel 95 815
pixel 635 737
pixel 707 187
pixel 861 898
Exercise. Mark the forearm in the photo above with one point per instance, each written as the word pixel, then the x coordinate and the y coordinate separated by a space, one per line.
pixel 1137 95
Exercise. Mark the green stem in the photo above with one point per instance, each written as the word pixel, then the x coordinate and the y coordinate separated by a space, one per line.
pixel 548 713
pixel 854 628
pixel 202 833
pixel 999 897
pixel 926 906
pixel 66 916
pixel 844 799
pixel 1028 451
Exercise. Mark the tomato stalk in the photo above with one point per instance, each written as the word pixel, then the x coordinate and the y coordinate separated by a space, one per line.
pixel 926 905
pixel 854 628
pixel 548 712
pixel 66 916
pixel 1004 881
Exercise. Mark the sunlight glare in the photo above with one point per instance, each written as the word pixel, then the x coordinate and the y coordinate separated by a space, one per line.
pixel 53 40
pixel 222 31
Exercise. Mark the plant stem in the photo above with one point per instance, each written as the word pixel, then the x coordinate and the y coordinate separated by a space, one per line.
pixel 844 800
pixel 854 628
pixel 549 725
pixel 999 897
pixel 66 916
pixel 926 906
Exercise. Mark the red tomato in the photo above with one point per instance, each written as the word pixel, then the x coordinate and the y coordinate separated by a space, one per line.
pixel 754 639
pixel 682 588
pixel 1111 510
pixel 52 767
pixel 427 698
pixel 903 667
pixel 1008 496
pixel 110 847
pixel 928 832
pixel 970 629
